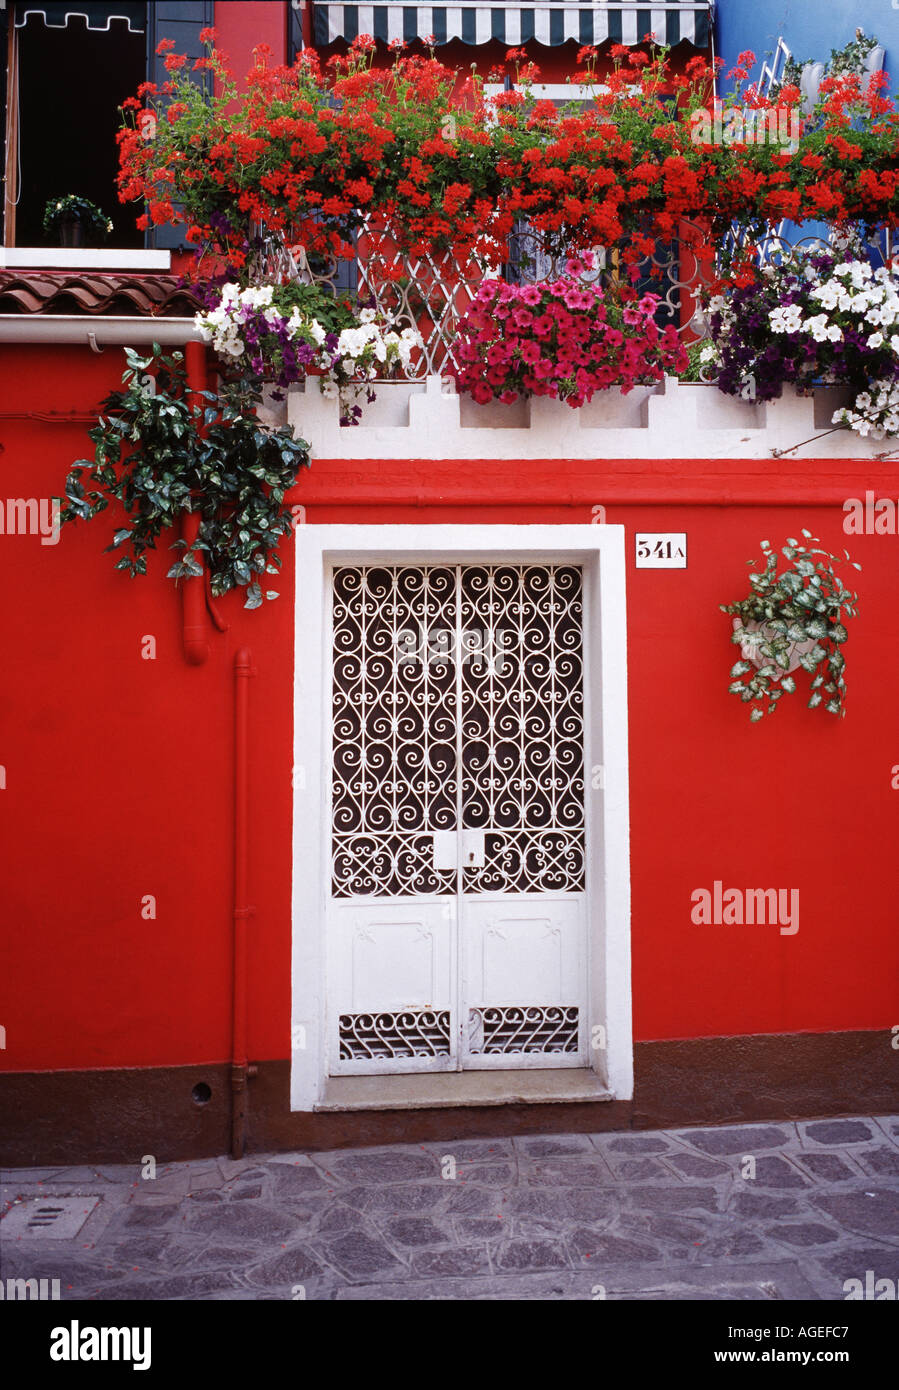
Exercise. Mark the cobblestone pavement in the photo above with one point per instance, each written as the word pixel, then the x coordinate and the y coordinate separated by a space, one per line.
pixel 650 1215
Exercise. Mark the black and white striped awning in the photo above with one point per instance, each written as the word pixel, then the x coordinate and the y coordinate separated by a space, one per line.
pixel 626 23
pixel 95 15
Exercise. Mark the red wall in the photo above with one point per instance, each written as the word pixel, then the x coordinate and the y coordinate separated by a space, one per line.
pixel 119 770
pixel 240 27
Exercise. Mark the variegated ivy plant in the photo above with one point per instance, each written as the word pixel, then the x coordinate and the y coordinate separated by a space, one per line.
pixel 800 607
pixel 162 450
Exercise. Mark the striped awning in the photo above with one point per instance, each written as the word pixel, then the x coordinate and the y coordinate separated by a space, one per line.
pixel 94 14
pixel 625 23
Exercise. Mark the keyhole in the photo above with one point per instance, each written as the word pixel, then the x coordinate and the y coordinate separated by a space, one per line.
pixel 471 856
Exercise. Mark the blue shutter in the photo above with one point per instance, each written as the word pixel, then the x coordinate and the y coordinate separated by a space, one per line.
pixel 182 21
pixel 294 34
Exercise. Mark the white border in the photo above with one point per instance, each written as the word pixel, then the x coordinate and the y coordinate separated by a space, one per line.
pixel 601 552
pixel 82 258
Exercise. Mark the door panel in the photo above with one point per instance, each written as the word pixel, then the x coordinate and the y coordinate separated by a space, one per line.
pixel 523 726
pixel 524 976
pixel 394 729
pixel 394 973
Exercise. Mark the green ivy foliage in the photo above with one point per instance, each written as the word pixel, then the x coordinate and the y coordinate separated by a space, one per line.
pixel 803 604
pixel 161 451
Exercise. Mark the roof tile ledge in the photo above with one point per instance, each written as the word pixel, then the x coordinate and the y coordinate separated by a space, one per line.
pixel 97 293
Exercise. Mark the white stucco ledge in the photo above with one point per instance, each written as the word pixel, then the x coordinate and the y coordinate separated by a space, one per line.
pixel 674 420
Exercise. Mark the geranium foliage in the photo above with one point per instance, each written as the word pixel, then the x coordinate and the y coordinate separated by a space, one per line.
pixel 310 154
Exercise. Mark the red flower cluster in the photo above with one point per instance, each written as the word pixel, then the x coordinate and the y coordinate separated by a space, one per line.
pixel 312 155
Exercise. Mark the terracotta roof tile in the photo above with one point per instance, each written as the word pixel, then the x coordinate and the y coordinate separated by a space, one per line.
pixel 43 292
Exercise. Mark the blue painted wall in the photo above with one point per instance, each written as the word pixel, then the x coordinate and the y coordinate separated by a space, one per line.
pixel 810 28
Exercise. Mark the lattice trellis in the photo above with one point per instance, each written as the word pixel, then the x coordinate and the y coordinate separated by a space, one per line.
pixel 431 293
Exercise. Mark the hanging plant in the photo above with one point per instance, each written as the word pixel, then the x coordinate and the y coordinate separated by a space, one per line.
pixel 792 618
pixel 162 450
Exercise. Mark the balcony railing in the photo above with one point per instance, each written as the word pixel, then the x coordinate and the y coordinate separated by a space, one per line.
pixel 431 293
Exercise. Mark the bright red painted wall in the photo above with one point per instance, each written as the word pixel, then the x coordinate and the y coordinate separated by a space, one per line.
pixel 119 770
pixel 240 27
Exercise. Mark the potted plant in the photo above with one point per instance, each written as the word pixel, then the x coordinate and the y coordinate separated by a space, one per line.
pixel 822 317
pixel 160 453
pixel 282 333
pixel 566 338
pixel 76 221
pixel 792 618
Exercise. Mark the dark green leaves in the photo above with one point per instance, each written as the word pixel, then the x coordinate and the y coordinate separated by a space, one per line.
pixel 788 617
pixel 159 458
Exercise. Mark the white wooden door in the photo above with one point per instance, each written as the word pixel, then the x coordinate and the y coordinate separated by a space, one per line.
pixel 457 929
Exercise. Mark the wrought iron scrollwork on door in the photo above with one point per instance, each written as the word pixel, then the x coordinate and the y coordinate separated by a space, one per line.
pixel 394 729
pixel 523 727
pixel 435 662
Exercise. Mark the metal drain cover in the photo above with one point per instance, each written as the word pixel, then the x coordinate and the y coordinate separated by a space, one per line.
pixel 47 1218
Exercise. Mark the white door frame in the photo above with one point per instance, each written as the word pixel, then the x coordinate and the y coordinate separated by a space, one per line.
pixel 600 551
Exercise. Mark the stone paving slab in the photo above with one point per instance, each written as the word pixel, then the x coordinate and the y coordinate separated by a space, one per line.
pixel 742 1212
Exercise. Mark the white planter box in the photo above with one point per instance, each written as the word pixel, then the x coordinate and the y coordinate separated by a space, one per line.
pixel 672 420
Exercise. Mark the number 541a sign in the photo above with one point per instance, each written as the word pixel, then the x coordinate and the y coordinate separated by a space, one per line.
pixel 661 550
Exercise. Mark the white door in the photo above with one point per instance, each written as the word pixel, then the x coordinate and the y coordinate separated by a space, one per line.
pixel 457 925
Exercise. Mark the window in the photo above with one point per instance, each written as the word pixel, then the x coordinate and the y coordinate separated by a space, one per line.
pixel 66 69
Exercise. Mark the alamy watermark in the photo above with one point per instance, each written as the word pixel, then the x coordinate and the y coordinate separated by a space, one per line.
pixel 21 1290
pixel 31 516
pixel 473 645
pixel 876 1290
pixel 875 516
pixel 745 125
pixel 85 1343
pixel 746 906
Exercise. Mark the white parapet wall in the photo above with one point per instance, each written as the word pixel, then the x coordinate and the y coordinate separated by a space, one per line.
pixel 427 419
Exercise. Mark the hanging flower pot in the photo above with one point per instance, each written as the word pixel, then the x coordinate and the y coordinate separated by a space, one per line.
pixel 792 617
pixel 751 651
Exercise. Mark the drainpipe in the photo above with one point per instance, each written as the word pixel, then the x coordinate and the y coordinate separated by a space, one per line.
pixel 240 1070
pixel 193 591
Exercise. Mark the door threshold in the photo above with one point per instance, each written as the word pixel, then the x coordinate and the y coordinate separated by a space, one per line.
pixel 441 1090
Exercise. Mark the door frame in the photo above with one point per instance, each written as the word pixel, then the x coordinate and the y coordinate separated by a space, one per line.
pixel 600 551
